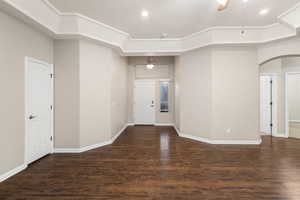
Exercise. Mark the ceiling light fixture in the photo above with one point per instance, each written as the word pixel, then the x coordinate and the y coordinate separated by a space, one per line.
pixel 150 63
pixel 150 66
pixel 223 4
pixel 264 11
pixel 145 13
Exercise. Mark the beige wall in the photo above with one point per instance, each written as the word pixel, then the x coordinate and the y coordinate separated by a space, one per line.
pixel 156 74
pixel 91 93
pixel 217 93
pixel 193 88
pixel 66 63
pixel 293 87
pixel 17 41
pixel 94 73
pixel 119 108
pixel 235 94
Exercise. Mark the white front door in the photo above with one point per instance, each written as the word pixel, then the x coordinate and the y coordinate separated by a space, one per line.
pixel 38 109
pixel 144 105
pixel 265 101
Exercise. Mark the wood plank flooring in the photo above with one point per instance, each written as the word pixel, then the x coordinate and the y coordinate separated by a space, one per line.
pixel 154 163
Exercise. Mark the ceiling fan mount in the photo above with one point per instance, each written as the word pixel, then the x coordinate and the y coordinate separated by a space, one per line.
pixel 223 4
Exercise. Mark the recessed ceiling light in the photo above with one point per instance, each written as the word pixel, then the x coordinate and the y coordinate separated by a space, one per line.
pixel 264 11
pixel 145 13
pixel 245 0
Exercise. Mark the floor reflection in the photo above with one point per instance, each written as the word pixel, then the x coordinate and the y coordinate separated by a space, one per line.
pixel 164 148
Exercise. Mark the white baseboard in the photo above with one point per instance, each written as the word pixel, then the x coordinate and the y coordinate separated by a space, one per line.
pixel 119 133
pixel 210 141
pixel 279 135
pixel 90 147
pixel 176 129
pixel 67 150
pixel 164 124
pixel 94 146
pixel 195 138
pixel 12 172
pixel 82 149
pixel 155 124
pixel 296 121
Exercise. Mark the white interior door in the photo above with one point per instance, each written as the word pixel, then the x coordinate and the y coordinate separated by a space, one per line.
pixel 38 109
pixel 144 105
pixel 265 100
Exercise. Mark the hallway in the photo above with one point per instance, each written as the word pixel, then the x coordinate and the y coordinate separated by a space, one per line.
pixel 149 162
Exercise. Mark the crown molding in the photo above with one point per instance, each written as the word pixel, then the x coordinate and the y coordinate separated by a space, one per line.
pixel 74 25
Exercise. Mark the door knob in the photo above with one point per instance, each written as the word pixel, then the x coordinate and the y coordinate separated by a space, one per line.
pixel 32 117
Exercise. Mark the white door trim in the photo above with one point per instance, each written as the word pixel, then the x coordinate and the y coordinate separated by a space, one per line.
pixel 287 128
pixel 27 60
pixel 274 100
pixel 134 97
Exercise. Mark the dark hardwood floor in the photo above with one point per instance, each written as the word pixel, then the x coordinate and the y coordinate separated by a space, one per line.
pixel 154 163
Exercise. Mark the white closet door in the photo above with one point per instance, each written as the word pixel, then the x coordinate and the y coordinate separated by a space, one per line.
pixel 39 110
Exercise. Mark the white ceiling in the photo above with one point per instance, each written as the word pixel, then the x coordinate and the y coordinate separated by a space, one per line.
pixel 177 18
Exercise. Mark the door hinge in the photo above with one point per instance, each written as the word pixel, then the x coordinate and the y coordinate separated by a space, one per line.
pixel 271 103
pixel 51 138
pixel 271 125
pixel 51 75
pixel 51 107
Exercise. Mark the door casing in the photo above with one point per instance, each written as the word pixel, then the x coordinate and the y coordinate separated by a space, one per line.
pixel 27 113
pixel 273 77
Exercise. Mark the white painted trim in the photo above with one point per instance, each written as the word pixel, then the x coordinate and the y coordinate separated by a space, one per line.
pixel 12 172
pixel 212 141
pixel 73 24
pixel 94 146
pixel 164 124
pixel 279 135
pixel 289 11
pixel 57 11
pixel 269 74
pixel 119 133
pixel 209 141
pixel 217 28
pixel 274 100
pixel 67 150
pixel 176 129
pixel 90 147
pixel 26 114
pixel 156 124
pixel 295 121
pixel 82 149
